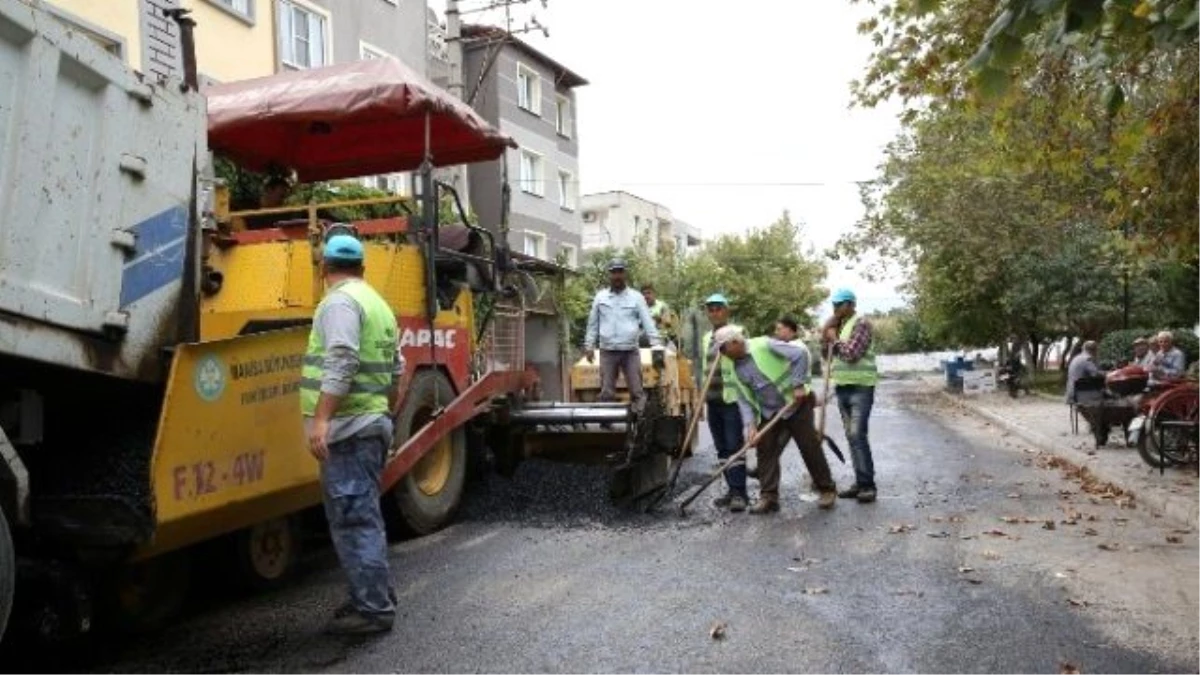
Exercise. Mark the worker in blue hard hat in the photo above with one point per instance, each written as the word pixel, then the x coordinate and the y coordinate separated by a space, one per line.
pixel 349 386
pixel 721 408
pixel 847 345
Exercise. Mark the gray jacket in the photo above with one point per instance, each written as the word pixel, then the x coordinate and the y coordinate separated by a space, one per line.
pixel 617 321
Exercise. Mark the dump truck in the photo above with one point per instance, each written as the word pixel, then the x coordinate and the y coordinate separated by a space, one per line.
pixel 151 338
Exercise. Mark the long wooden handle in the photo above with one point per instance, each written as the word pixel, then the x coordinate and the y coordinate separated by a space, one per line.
pixel 738 455
pixel 825 396
pixel 695 421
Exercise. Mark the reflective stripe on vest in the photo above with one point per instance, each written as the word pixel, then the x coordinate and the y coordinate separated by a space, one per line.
pixel 728 377
pixel 773 366
pixel 376 357
pixel 862 372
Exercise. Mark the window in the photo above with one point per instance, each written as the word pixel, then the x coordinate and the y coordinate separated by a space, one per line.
pixel 529 90
pixel 566 190
pixel 244 8
pixel 303 36
pixel 110 42
pixel 367 51
pixel 570 255
pixel 562 116
pixel 531 174
pixel 535 244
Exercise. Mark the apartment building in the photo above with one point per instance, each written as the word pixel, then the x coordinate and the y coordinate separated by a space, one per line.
pixel 242 39
pixel 531 97
pixel 621 220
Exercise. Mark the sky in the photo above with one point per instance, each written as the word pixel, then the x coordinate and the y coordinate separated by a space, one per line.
pixel 726 116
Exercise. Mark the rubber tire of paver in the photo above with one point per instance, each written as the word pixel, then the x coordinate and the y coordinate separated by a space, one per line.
pixel 146 594
pixel 249 571
pixel 8 572
pixel 409 509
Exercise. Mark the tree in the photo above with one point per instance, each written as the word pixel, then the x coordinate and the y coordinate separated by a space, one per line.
pixel 766 273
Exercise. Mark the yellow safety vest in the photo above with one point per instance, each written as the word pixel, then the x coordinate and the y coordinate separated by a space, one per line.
pixel 862 372
pixel 728 377
pixel 376 357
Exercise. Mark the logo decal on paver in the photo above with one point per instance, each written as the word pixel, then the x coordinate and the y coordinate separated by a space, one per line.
pixel 209 378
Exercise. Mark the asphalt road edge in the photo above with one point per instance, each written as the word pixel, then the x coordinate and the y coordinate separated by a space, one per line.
pixel 1183 509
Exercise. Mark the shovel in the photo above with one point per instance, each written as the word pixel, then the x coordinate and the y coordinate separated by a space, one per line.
pixel 735 457
pixel 833 447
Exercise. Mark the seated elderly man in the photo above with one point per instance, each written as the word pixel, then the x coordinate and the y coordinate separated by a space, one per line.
pixel 1081 366
pixel 1169 362
pixel 1142 355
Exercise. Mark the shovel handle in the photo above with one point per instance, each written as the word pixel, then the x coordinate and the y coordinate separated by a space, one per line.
pixel 737 455
pixel 695 421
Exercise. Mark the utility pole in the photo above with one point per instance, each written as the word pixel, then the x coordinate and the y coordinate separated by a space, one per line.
pixel 454 44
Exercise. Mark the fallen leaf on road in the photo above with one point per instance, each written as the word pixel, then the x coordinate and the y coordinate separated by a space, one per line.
pixel 936 519
pixel 1031 520
pixel 919 594
pixel 965 570
pixel 991 555
pixel 957 519
pixel 1091 518
pixel 1066 668
pixel 1181 531
pixel 1061 575
pixel 1013 495
pixel 1090 532
pixel 1174 540
pixel 1077 603
pixel 717 632
pixel 937 535
pixel 816 590
pixel 973 580
pixel 1010 519
pixel 996 533
pixel 1048 525
pixel 967 537
pixel 795 569
pixel 901 529
pixel 1108 547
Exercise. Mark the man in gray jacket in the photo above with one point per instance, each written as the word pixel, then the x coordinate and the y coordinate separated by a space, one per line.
pixel 618 317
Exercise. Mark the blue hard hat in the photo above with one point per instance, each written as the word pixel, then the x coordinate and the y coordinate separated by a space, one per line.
pixel 717 299
pixel 343 248
pixel 842 295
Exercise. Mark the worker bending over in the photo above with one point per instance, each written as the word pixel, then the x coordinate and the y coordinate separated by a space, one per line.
pixel 770 375
pixel 616 321
pixel 349 385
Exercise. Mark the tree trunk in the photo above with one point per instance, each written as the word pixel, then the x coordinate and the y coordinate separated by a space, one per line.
pixel 1066 358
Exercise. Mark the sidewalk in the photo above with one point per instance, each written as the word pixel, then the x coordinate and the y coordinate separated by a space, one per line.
pixel 1045 424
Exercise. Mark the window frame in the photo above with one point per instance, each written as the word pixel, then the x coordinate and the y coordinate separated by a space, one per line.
pixel 573 255
pixel 563 124
pixel 247 16
pixel 539 179
pixel 535 102
pixel 542 244
pixel 566 192
pixel 326 37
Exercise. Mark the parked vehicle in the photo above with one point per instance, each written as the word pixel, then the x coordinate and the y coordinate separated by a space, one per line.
pixel 151 344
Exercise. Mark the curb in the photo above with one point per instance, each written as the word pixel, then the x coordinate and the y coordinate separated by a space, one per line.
pixel 1181 509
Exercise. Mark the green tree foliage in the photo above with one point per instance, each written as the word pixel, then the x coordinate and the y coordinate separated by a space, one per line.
pixel 900 331
pixel 766 273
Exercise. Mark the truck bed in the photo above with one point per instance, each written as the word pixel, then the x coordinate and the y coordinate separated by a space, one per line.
pixel 98 195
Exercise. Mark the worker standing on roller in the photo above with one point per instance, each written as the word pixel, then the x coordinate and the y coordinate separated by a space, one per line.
pixel 615 323
pixel 848 336
pixel 349 386
pixel 770 375
pixel 664 319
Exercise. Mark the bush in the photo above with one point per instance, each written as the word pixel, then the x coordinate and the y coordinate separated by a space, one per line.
pixel 1117 346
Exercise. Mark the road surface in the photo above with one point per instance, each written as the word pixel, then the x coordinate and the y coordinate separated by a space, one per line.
pixel 953 569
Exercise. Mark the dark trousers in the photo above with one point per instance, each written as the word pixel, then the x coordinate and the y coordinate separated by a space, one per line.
pixel 855 403
pixel 799 428
pixel 725 425
pixel 350 482
pixel 628 362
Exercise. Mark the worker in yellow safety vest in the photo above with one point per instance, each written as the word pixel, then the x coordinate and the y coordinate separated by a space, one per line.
pixel 664 318
pixel 348 388
pixel 721 411
pixel 848 337
pixel 771 375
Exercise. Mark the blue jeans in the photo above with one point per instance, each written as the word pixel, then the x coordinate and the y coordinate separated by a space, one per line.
pixel 350 482
pixel 854 403
pixel 725 425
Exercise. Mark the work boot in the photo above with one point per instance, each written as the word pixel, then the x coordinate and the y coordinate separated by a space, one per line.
pixel 866 495
pixel 353 622
pixel 764 506
pixel 737 504
pixel 849 493
pixel 827 499
pixel 723 501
